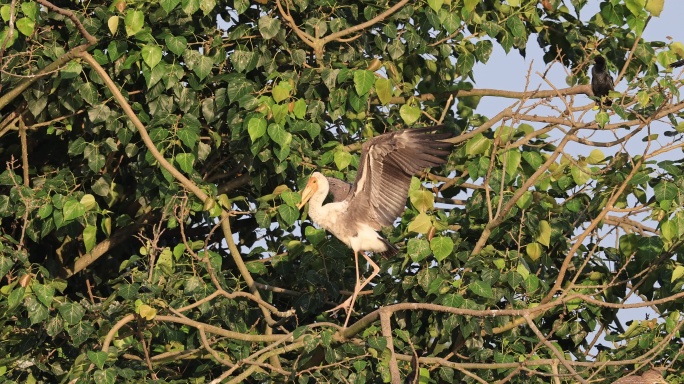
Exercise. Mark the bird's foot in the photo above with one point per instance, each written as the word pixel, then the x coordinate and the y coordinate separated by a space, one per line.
pixel 346 305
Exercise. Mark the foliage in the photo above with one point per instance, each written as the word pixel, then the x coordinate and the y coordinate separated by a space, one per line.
pixel 148 200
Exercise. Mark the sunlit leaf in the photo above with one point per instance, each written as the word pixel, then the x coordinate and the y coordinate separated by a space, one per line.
pixel 409 114
pixel 363 81
pixel 422 223
pixel 442 247
pixel 134 21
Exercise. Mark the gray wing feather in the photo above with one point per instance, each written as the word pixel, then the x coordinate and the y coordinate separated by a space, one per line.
pixel 387 164
pixel 339 189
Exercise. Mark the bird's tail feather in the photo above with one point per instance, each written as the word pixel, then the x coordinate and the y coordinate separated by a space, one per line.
pixel 391 251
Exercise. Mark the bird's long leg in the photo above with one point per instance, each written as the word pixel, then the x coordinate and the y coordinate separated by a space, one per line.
pixel 359 286
pixel 347 304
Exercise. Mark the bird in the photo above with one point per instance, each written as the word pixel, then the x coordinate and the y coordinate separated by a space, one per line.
pixel 677 64
pixel 377 196
pixel 652 376
pixel 601 82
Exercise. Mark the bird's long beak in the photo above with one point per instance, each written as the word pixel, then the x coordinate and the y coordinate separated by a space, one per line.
pixel 307 193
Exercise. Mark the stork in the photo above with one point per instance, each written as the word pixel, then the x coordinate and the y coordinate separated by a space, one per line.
pixel 377 196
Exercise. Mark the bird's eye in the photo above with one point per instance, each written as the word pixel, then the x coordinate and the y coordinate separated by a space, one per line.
pixel 315 181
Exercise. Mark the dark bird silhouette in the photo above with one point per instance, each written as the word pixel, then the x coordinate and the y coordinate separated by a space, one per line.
pixel 378 195
pixel 677 64
pixel 601 82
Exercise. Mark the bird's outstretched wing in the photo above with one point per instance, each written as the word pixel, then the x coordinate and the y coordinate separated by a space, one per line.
pixel 387 164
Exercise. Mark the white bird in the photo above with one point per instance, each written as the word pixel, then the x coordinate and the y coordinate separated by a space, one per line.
pixel 378 195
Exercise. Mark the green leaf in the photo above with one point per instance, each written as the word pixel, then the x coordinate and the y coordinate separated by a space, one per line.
pixel 544 232
pixel 363 81
pixel 281 91
pixel 478 145
pixel 30 9
pixel 190 6
pixel 511 159
pixel 279 113
pixel 435 4
pixel 88 202
pixel 113 24
pixel 635 6
pixel 6 264
pixel 80 332
pixel 314 235
pixel 580 174
pixel 655 7
pixel 422 223
pixel 409 114
pixel 88 92
pixel 45 211
pixel 151 54
pixel 441 247
pixel 167 266
pixel 256 127
pixel 189 136
pixel 71 312
pixel 77 146
pixel 291 198
pixel 418 249
pixel 134 21
pixel 186 161
pixel 169 5
pixel 396 49
pixel 481 288
pixel 71 70
pixel 465 63
pixel 73 210
pixel 15 297
pixel 643 97
pixel 203 67
pixel 5 12
pixel 288 214
pixel 602 118
pixel 207 6
pixel 342 159
pixel 377 342
pixel 677 273
pixel 44 293
pixel 97 358
pixel 26 26
pixel 89 237
pixel 279 135
pixel 525 200
pixel 176 44
pixel 269 27
pixel 669 229
pixel 422 200
pixel 299 109
pixel 37 311
pixel 595 157
pixel 383 88
pixel 516 26
pixel 534 251
pixel 665 191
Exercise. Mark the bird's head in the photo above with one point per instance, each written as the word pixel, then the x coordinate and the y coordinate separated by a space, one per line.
pixel 600 63
pixel 316 183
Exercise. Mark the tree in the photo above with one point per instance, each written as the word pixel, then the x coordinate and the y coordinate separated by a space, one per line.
pixel 151 163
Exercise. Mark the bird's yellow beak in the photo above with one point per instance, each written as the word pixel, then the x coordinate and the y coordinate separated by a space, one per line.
pixel 311 188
